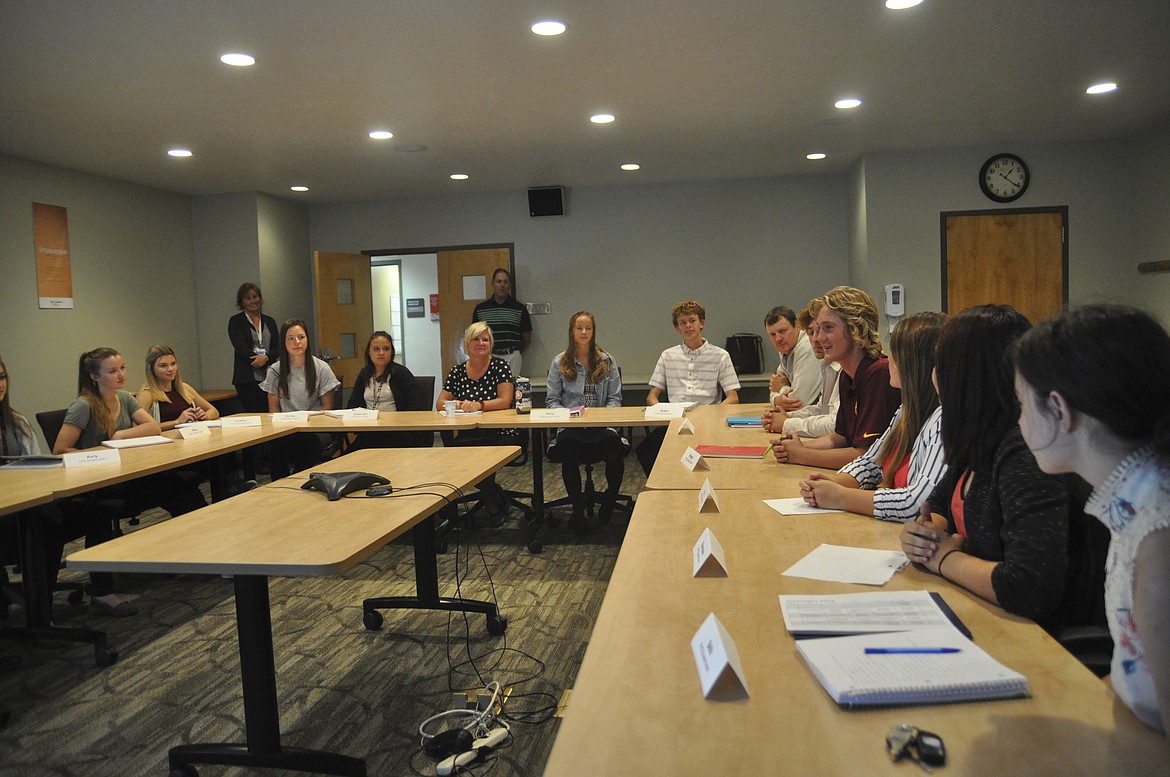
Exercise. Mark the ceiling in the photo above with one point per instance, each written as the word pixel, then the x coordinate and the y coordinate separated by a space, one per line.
pixel 700 89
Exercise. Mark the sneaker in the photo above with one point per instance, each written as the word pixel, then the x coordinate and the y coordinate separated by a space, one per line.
pixel 605 512
pixel 577 520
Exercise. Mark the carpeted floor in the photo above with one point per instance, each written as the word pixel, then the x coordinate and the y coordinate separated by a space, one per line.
pixel 341 688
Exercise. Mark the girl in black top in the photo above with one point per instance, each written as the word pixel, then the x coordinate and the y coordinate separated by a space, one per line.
pixel 384 384
pixel 995 524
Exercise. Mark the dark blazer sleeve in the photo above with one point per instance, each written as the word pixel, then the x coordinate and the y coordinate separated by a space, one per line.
pixel 358 392
pixel 241 349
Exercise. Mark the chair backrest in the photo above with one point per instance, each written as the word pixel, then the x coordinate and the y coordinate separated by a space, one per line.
pixel 426 386
pixel 50 422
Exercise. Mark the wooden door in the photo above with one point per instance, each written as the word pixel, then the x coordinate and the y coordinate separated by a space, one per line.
pixel 345 310
pixel 454 310
pixel 1013 257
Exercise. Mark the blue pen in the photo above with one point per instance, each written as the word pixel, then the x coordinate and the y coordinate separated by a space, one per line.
pixel 898 650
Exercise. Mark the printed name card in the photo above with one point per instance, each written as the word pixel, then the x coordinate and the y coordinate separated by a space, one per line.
pixel 686 427
pixel 550 414
pixel 98 456
pixel 708 499
pixel 708 556
pixel 694 460
pixel 291 417
pixel 720 671
pixel 666 410
pixel 187 431
pixel 239 421
pixel 362 414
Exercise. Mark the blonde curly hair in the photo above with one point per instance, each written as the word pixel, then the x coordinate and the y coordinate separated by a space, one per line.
pixel 860 314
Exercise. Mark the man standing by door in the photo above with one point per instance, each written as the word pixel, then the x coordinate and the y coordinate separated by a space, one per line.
pixel 508 319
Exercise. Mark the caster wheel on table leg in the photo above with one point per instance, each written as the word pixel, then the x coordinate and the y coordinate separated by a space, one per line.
pixel 105 656
pixel 496 624
pixel 372 620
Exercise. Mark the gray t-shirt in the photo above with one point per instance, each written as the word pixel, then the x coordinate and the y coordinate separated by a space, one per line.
pixel 80 415
pixel 298 396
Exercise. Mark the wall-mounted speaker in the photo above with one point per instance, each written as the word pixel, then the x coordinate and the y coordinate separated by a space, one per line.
pixel 546 201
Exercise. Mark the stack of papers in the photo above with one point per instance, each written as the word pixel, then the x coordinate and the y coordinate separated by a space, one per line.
pixel 137 442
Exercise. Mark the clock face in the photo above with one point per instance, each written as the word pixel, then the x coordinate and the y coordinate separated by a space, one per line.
pixel 1004 177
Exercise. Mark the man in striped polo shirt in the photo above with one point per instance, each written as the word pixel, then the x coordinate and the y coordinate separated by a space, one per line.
pixel 508 319
pixel 695 371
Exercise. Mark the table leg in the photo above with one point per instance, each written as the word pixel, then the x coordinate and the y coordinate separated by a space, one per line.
pixel 38 594
pixel 530 540
pixel 261 713
pixel 426 583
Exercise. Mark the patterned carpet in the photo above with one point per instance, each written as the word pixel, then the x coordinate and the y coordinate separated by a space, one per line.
pixel 341 688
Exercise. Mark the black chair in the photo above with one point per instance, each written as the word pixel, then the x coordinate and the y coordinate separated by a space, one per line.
pixel 1085 630
pixel 50 422
pixel 589 493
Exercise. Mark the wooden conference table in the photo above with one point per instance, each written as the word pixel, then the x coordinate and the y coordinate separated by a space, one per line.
pixel 281 530
pixel 24 489
pixel 710 422
pixel 637 708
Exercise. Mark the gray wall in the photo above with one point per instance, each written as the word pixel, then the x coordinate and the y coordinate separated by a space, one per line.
pixel 628 253
pixel 152 266
pixel 133 280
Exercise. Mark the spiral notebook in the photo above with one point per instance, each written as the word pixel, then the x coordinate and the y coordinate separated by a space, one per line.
pixel 855 678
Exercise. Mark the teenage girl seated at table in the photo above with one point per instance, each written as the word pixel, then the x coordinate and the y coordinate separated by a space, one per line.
pixel 104 410
pixel 585 375
pixel 298 381
pixel 995 524
pixel 166 397
pixel 385 385
pixel 171 402
pixel 480 384
pixel 847 328
pixel 892 479
pixel 1114 431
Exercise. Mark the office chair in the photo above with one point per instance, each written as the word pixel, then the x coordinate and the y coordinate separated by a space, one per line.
pixel 589 493
pixel 116 508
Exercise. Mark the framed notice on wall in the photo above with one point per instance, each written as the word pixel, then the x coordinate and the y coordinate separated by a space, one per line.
pixel 51 243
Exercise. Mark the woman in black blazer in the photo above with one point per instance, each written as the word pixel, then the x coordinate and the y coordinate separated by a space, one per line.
pixel 254 345
pixel 384 384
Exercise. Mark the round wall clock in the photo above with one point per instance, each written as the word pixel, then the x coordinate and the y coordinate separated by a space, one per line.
pixel 1004 177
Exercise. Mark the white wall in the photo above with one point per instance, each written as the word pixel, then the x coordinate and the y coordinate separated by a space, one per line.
pixel 628 253
pixel 133 280
pixel 420 278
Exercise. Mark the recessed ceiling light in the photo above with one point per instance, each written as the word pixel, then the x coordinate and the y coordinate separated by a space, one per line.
pixel 381 134
pixel 901 5
pixel 1101 88
pixel 180 152
pixel 549 27
pixel 631 166
pixel 847 103
pixel 459 176
pixel 815 155
pixel 238 60
pixel 299 188
pixel 601 118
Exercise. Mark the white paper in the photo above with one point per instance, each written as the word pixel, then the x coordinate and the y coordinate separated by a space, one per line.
pixel 709 560
pixel 686 427
pixel 291 417
pixel 187 431
pixel 550 414
pixel 842 564
pixel 692 460
pixel 353 414
pixel 138 442
pixel 716 658
pixel 97 456
pixel 240 421
pixel 879 611
pixel 708 499
pixel 210 424
pixel 796 506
